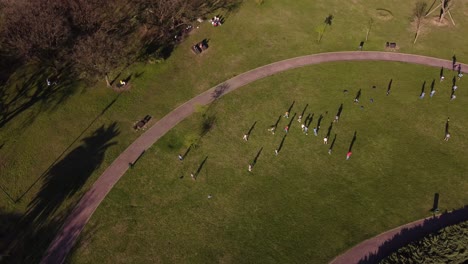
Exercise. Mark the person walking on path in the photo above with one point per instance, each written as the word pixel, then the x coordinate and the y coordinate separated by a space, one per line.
pixel 245 137
pixel 348 155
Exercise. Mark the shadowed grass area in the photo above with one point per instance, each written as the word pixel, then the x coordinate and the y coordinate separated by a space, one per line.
pixel 51 123
pixel 303 205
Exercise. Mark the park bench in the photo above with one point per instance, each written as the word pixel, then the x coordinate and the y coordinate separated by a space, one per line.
pixel 391 45
pixel 142 123
pixel 200 47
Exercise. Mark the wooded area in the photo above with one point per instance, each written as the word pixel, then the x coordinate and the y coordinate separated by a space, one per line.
pixel 95 36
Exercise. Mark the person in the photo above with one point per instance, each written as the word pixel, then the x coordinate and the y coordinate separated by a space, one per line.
pixel 453 97
pixel 454 88
pixel 276 152
pixel 337 117
pixel 447 136
pixel 286 129
pixel 460 75
pixel 348 155
pixel 432 93
pixel 442 78
pixel 181 157
pixel 193 176
pixel 422 95
pixel 302 127
pixel 325 140
pixel 306 130
pixel 272 129
pixel 371 100
pixel 299 119
pixel 122 83
pixel 329 151
pixel 315 131
pixel 250 167
pixel 245 137
pixel 286 114
pixel 48 82
pixel 210 196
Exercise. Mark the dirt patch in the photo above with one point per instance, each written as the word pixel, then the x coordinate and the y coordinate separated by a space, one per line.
pixel 436 22
pixel 383 14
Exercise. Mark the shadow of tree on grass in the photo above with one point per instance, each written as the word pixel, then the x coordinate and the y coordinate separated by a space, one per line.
pixel 43 218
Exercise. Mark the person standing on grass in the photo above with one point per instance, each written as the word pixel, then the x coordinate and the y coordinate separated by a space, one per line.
pixel 276 152
pixel 447 136
pixel 306 130
pixel 315 131
pixel 245 137
pixel 250 167
pixel 286 114
pixel 422 95
pixel 193 176
pixel 325 140
pixel 272 129
pixel 181 158
pixel 432 93
pixel 286 129
pixel 299 119
pixel 302 127
pixel 348 155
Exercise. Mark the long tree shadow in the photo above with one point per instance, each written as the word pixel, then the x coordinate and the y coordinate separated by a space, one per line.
pixel 103 111
pixel 63 181
pixel 408 235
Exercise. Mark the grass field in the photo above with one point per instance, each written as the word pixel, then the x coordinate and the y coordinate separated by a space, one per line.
pixel 46 132
pixel 302 205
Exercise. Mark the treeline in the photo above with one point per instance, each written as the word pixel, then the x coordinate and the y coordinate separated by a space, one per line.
pixel 95 36
pixel 448 245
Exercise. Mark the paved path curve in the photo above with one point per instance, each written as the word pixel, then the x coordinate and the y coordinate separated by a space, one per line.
pixel 75 222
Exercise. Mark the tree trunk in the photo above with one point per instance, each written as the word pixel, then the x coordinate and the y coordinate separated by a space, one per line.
pixel 107 81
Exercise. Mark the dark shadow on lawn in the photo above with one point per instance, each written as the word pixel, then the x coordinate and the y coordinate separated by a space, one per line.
pixel 251 128
pixel 33 90
pixel 281 144
pixel 352 141
pixel 257 156
pixel 201 166
pixel 408 235
pixel 69 146
pixel 62 182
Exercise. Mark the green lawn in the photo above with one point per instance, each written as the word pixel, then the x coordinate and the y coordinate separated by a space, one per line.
pixel 302 205
pixel 52 128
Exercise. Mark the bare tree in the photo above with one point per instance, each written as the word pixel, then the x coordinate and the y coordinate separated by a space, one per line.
pixel 35 29
pixel 445 6
pixel 418 16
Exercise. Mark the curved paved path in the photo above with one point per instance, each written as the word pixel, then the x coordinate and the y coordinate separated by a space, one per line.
pixel 74 224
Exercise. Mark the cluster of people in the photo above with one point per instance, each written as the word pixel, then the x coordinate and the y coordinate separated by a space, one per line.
pixel 216 21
